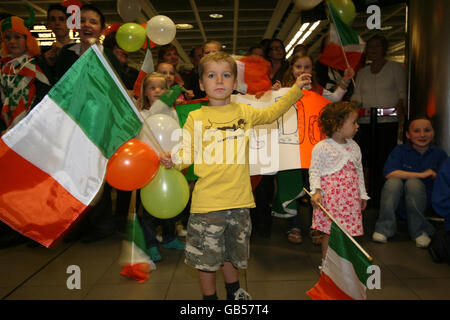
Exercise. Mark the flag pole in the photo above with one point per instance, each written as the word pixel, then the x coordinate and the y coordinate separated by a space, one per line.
pixel 132 213
pixel 149 134
pixel 340 41
pixel 342 229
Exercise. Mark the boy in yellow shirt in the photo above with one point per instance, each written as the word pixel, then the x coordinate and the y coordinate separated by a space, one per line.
pixel 216 141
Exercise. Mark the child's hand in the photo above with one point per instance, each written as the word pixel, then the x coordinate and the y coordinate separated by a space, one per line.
pixel 179 101
pixel 429 173
pixel 303 80
pixel 363 204
pixel 316 198
pixel 166 160
pixel 189 94
pixel 276 86
pixel 348 74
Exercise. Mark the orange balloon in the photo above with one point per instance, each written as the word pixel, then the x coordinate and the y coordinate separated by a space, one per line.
pixel 132 166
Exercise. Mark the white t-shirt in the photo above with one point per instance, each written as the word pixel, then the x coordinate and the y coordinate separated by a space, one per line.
pixel 383 89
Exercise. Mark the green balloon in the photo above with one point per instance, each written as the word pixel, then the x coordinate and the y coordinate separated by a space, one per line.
pixel 166 195
pixel 131 36
pixel 345 10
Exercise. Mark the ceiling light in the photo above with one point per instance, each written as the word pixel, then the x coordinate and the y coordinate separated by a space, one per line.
pixel 184 26
pixel 297 35
pixel 216 15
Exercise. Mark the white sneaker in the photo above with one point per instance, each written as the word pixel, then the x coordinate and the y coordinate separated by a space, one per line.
pixel 423 241
pixel 241 294
pixel 379 237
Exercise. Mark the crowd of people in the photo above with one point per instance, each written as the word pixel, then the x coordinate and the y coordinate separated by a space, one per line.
pixel 363 124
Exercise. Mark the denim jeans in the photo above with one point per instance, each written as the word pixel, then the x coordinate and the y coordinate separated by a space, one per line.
pixel 410 195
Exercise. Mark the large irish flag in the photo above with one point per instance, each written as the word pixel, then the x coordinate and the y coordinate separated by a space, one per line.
pixel 344 271
pixel 53 162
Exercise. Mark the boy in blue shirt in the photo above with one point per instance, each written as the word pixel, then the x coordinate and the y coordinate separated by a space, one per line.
pixel 410 171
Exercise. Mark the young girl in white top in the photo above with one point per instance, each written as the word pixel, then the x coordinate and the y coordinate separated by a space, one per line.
pixel 336 175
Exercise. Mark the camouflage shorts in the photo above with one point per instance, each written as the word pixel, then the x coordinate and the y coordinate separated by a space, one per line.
pixel 216 237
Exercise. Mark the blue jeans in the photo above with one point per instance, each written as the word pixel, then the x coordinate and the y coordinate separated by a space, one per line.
pixel 410 195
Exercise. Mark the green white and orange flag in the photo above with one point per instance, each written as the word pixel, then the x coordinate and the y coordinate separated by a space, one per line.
pixel 344 271
pixel 136 263
pixel 353 45
pixel 52 163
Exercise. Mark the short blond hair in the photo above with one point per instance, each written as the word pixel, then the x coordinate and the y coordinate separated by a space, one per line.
pixel 217 43
pixel 219 56
pixel 144 103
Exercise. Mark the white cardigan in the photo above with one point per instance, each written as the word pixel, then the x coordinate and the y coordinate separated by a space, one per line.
pixel 329 157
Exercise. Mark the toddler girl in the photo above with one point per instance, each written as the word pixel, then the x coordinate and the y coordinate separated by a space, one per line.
pixel 169 72
pixel 335 175
pixel 153 86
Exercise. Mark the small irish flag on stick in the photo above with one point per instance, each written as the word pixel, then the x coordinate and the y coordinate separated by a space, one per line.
pixel 344 271
pixel 136 263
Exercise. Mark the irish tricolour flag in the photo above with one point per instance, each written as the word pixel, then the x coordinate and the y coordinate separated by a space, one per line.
pixel 136 263
pixel 53 162
pixel 344 271
pixel 352 44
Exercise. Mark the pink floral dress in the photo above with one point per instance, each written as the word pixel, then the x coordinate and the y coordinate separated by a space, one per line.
pixel 342 200
pixel 337 171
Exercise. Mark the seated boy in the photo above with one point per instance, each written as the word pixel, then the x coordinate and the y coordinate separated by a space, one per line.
pixel 410 171
pixel 219 225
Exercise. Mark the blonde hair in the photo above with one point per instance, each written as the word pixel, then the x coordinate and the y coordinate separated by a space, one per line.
pixel 217 43
pixel 219 56
pixel 144 103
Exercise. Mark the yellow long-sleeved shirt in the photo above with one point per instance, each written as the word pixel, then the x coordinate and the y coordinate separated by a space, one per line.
pixel 216 140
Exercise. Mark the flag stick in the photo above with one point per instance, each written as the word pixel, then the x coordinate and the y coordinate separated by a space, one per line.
pixel 340 41
pixel 149 134
pixel 132 213
pixel 342 229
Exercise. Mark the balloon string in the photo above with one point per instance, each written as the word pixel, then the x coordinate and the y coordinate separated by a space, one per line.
pixel 152 138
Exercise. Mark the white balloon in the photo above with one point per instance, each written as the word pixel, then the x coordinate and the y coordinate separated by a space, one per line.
pixel 161 30
pixel 306 4
pixel 164 129
pixel 128 9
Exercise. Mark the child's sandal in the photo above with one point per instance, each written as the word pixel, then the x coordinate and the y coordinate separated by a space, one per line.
pixel 316 237
pixel 294 236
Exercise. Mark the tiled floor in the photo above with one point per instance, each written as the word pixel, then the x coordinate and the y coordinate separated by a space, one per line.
pixel 277 270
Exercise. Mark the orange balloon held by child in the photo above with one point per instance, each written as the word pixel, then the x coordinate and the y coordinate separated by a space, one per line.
pixel 132 166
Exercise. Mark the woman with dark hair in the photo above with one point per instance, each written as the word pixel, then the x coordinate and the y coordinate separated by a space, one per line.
pixel 276 54
pixel 169 54
pixel 92 27
pixel 380 86
pixel 57 22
